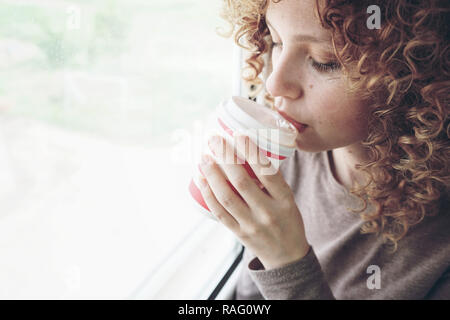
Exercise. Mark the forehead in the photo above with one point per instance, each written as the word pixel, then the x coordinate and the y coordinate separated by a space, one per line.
pixel 292 16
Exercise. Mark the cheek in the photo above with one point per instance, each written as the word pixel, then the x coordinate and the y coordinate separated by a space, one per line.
pixel 338 113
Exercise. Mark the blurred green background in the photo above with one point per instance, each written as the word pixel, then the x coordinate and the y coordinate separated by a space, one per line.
pixel 128 70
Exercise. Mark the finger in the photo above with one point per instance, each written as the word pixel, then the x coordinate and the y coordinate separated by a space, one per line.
pixel 267 173
pixel 236 173
pixel 215 207
pixel 229 200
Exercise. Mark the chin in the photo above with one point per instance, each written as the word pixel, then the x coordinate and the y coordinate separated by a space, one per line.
pixel 308 148
pixel 300 146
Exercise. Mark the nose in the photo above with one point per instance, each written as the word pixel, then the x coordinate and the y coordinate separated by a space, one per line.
pixel 285 79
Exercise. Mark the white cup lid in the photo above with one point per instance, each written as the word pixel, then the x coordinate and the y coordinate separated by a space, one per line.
pixel 251 115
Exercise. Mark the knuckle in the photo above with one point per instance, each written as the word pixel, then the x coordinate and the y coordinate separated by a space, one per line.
pixel 285 194
pixel 285 204
pixel 227 200
pixel 252 231
pixel 242 183
pixel 220 216
pixel 270 221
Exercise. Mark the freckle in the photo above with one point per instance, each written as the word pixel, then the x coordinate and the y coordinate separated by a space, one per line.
pixel 310 86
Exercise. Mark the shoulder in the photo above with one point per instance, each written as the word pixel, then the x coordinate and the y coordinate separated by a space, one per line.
pixel 431 238
pixel 436 226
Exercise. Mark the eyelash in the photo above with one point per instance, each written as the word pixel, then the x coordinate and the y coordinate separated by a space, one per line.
pixel 326 67
pixel 321 67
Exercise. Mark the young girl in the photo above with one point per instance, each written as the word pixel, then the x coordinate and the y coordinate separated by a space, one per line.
pixel 361 209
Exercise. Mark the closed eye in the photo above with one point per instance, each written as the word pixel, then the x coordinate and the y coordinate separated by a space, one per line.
pixel 325 67
pixel 321 67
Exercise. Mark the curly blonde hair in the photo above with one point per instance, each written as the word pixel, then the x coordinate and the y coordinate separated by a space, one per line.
pixel 403 69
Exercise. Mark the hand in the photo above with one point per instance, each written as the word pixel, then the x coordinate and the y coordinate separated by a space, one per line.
pixel 267 222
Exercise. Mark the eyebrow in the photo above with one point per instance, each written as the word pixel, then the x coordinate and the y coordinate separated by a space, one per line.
pixel 303 37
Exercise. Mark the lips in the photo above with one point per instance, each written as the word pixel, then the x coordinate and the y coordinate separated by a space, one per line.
pixel 299 126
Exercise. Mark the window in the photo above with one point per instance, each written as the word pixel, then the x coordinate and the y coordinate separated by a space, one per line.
pixel 92 94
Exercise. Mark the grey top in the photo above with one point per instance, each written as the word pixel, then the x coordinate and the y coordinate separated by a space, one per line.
pixel 343 263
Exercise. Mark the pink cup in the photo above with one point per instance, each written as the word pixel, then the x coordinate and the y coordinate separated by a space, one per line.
pixel 266 128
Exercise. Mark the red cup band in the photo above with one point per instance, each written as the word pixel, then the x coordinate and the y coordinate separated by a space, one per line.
pixel 197 195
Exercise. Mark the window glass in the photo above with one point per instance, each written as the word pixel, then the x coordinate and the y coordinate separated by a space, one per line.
pixel 94 95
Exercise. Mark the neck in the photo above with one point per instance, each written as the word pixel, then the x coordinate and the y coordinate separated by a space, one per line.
pixel 343 161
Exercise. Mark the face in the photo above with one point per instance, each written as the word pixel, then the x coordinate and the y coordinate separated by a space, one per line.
pixel 307 82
